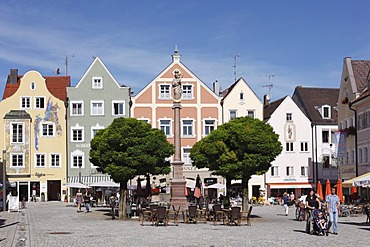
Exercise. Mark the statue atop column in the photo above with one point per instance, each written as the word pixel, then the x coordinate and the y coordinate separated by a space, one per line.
pixel 176 84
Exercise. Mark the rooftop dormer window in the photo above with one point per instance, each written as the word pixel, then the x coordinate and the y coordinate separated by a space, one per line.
pixel 325 112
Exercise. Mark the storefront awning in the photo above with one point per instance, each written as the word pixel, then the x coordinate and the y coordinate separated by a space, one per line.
pixel 87 180
pixel 290 185
pixel 349 183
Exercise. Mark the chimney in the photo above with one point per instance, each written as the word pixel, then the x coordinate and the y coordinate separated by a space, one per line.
pixel 13 77
pixel 216 88
pixel 266 100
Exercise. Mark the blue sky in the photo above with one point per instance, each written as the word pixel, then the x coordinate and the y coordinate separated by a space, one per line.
pixel 300 42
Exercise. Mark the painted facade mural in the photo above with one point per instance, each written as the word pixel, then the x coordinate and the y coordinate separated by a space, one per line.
pixel 51 115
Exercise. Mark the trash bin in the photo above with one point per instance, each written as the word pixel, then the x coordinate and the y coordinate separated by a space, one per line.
pixel 42 196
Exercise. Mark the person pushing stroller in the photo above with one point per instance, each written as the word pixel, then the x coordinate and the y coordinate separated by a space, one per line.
pixel 319 223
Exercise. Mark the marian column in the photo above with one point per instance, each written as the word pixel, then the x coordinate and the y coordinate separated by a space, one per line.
pixel 178 181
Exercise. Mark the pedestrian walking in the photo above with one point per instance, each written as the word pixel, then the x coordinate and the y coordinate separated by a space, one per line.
pixel 79 200
pixel 285 203
pixel 292 196
pixel 333 208
pixel 34 192
pixel 87 197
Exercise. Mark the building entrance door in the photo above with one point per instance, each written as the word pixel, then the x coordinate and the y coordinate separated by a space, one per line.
pixel 54 187
pixel 23 192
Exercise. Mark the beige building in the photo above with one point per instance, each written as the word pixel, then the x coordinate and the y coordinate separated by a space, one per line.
pixel 34 134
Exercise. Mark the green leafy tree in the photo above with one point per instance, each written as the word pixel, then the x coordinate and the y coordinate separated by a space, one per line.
pixel 129 147
pixel 237 150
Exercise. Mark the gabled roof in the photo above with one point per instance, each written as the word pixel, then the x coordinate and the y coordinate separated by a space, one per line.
pixel 227 91
pixel 361 70
pixel 97 60
pixel 269 109
pixel 56 85
pixel 309 99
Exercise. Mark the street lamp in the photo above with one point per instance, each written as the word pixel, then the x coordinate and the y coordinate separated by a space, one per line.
pixel 4 179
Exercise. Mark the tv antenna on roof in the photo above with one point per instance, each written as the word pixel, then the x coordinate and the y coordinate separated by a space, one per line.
pixel 235 59
pixel 66 62
pixel 270 86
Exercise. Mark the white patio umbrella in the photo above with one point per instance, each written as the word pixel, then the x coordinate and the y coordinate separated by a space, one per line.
pixel 216 186
pixel 364 181
pixel 105 184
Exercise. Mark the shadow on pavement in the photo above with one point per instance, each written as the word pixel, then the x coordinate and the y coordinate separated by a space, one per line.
pixel 366 229
pixel 300 231
pixel 353 223
pixel 3 226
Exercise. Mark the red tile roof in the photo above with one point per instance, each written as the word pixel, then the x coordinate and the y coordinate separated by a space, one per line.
pixel 361 70
pixel 57 86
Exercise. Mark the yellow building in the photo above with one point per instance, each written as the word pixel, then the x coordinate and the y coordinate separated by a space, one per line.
pixel 33 129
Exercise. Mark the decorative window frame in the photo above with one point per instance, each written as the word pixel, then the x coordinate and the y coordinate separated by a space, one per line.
pixel 236 113
pixel 78 127
pixel 204 125
pixel 11 133
pixel 82 107
pixel 42 129
pixel 188 96
pixel 253 111
pixel 35 102
pixel 77 153
pixel 11 160
pixel 323 111
pixel 164 94
pixel 123 102
pixel 93 84
pixel 29 98
pixel 274 168
pixel 92 102
pixel 35 160
pixel 51 160
pixel 96 127
pixel 170 126
pixel 193 128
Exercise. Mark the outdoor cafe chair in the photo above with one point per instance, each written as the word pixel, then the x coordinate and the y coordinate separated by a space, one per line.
pixel 218 214
pixel 235 216
pixel 191 215
pixel 162 216
pixel 248 215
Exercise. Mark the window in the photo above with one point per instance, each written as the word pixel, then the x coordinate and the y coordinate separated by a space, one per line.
pixel 353 156
pixel 54 160
pixel 97 108
pixel 118 108
pixel 95 129
pixel 360 155
pixel 289 146
pixel 165 126
pixel 17 160
pixel 39 103
pixel 289 170
pixel 274 171
pixel 17 130
pixel 77 109
pixel 187 127
pixel 250 113
pixel 209 125
pixel 97 82
pixel 186 156
pixel 33 86
pixel 241 96
pixel 25 102
pixel 77 161
pixel 164 92
pixel 47 129
pixel 325 136
pixel 304 146
pixel 326 112
pixel 368 119
pixel 361 121
pixel 232 114
pixel 77 134
pixel 304 171
pixel 366 157
pixel 289 117
pixel 326 161
pixel 187 92
pixel 39 160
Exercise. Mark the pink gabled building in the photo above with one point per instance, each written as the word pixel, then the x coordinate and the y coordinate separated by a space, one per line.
pixel 200 112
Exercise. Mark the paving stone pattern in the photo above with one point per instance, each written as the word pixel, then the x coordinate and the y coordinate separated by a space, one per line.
pixel 58 224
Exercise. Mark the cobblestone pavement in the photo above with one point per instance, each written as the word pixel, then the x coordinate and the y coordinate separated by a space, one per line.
pixel 58 224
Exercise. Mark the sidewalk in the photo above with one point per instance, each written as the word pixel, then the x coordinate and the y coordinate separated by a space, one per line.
pixel 8 226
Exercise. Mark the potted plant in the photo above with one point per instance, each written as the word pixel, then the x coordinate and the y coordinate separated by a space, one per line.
pixel 65 198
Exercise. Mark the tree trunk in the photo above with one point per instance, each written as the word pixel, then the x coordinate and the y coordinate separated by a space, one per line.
pixel 228 186
pixel 245 193
pixel 122 200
